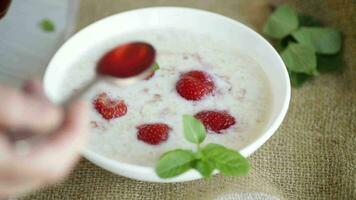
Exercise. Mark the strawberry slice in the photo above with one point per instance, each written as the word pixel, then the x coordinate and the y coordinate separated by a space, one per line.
pixel 109 108
pixel 195 85
pixel 216 121
pixel 154 133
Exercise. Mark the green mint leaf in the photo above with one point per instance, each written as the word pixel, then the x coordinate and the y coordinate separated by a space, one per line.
pixel 297 79
pixel 306 20
pixel 228 161
pixel 194 130
pixel 47 25
pixel 205 168
pixel 174 163
pixel 283 43
pixel 323 40
pixel 155 67
pixel 328 63
pixel 300 58
pixel 281 23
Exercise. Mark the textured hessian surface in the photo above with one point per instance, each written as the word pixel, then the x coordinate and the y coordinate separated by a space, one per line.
pixel 312 155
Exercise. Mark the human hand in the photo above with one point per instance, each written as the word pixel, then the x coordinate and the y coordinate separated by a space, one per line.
pixel 29 111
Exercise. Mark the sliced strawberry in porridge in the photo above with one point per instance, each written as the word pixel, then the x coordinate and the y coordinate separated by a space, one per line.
pixel 109 108
pixel 153 133
pixel 216 121
pixel 194 85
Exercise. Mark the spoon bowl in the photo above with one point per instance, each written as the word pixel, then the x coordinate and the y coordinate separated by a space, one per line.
pixel 124 65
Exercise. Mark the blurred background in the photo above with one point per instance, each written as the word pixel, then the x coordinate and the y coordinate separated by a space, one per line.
pixel 25 49
pixel 312 156
pixel 22 36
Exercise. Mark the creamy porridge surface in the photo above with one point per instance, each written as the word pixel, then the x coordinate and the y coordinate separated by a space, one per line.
pixel 242 89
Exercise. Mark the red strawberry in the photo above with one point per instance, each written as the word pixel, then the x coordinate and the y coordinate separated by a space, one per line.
pixel 153 133
pixel 109 108
pixel 195 85
pixel 215 120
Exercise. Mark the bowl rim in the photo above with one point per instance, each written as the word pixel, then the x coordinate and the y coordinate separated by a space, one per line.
pixel 147 173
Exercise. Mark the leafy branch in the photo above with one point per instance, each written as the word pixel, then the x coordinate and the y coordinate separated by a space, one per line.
pixel 205 159
pixel 306 47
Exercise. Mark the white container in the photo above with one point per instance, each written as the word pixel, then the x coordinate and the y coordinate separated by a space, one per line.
pixel 214 25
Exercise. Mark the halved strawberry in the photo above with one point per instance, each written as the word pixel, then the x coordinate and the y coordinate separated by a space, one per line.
pixel 154 133
pixel 195 85
pixel 109 108
pixel 215 121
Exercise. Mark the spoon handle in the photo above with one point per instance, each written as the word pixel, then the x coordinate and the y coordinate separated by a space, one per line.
pixel 79 93
pixel 22 146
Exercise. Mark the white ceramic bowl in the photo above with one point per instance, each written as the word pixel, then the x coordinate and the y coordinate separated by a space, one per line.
pixel 198 21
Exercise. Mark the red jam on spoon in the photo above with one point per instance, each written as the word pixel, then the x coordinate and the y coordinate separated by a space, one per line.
pixel 127 60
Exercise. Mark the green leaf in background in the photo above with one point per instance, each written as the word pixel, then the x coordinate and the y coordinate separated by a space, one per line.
pixel 283 43
pixel 300 58
pixel 228 161
pixel 194 130
pixel 328 63
pixel 305 46
pixel 306 20
pixel 155 67
pixel 47 25
pixel 174 163
pixel 297 79
pixel 205 168
pixel 281 23
pixel 323 40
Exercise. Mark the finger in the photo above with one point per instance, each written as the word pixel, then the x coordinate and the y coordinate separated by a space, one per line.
pixel 23 111
pixel 50 168
pixel 70 138
pixel 57 156
pixel 34 87
pixel 15 170
pixel 19 187
pixel 75 128
pixel 4 147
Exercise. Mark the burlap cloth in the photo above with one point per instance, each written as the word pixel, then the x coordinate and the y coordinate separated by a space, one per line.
pixel 311 156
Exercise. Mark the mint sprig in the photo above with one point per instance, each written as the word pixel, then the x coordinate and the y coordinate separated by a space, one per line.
pixel 306 20
pixel 306 47
pixel 205 168
pixel 329 63
pixel 174 162
pixel 281 23
pixel 155 67
pixel 205 159
pixel 322 40
pixel 228 161
pixel 194 130
pixel 300 58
